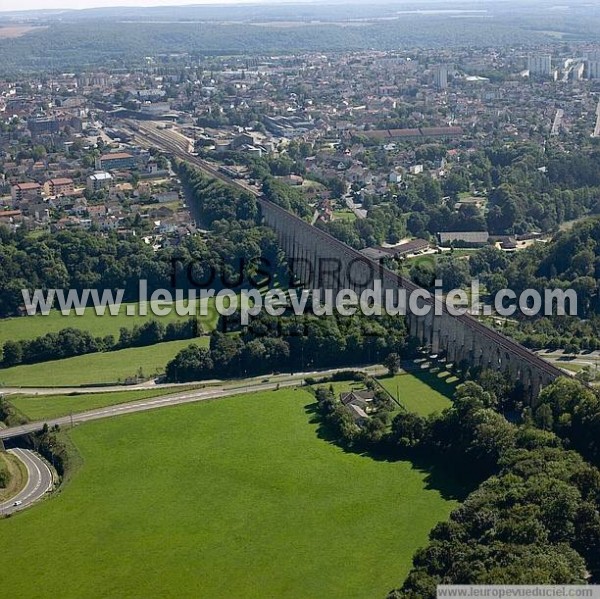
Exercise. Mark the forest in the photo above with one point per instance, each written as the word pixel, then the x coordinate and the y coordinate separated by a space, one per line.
pixel 532 517
pixel 289 344
pixel 570 261
pixel 234 250
pixel 114 42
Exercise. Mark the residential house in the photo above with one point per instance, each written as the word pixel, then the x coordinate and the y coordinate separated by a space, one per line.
pixel 115 161
pixel 464 237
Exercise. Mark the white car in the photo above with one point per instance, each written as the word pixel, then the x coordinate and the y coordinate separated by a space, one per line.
pixel 17 503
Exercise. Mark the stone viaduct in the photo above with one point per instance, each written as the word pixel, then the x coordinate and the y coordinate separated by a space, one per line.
pixel 322 262
pixel 317 257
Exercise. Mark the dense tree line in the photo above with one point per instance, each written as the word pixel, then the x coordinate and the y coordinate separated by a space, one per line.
pixel 384 223
pixel 9 415
pixel 534 517
pixel 290 344
pixel 230 254
pixel 290 198
pixel 570 261
pixel 74 260
pixel 572 411
pixel 110 42
pixel 51 444
pixel 71 342
pixel 238 252
pixel 215 200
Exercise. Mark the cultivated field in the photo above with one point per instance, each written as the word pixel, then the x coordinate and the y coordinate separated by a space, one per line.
pixel 99 368
pixel 231 498
pixel 11 32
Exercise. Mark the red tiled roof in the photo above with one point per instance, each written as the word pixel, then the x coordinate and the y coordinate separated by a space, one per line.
pixel 28 185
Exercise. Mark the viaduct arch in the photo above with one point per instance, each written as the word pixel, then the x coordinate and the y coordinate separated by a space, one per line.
pixel 460 338
pixel 321 261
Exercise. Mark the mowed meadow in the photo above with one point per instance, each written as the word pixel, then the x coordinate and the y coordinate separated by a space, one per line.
pixel 29 327
pixel 238 497
pixel 98 368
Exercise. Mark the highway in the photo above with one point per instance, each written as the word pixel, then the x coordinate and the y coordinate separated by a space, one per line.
pixel 196 395
pixel 39 482
pixel 151 385
pixel 144 405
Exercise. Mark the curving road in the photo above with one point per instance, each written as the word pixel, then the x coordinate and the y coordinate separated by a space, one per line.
pixel 39 481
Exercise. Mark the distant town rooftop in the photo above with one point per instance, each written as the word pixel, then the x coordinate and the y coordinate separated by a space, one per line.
pixel 116 156
pixel 421 133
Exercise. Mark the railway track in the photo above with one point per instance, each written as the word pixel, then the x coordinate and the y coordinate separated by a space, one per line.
pixel 167 143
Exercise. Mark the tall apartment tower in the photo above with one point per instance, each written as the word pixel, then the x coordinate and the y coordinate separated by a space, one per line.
pixel 540 64
pixel 440 76
pixel 592 66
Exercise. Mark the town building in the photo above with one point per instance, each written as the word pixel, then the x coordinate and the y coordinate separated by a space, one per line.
pixel 440 77
pixel 540 64
pixel 61 186
pixel 21 191
pixel 43 126
pixel 115 161
pixel 99 181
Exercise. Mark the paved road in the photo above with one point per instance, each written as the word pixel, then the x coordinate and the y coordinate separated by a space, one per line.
pixel 145 386
pixel 39 482
pixel 216 383
pixel 174 399
pixel 140 406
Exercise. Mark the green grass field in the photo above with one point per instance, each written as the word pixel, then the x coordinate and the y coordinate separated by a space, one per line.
pixel 422 392
pixel 573 367
pixel 425 260
pixel 100 368
pixel 345 215
pixel 235 498
pixel 40 407
pixel 28 327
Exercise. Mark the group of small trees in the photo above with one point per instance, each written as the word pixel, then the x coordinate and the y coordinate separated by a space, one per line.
pixel 343 427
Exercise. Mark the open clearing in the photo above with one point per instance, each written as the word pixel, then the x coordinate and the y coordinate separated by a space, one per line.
pixel 11 32
pixel 232 498
pixel 29 327
pixel 99 368
pixel 422 392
